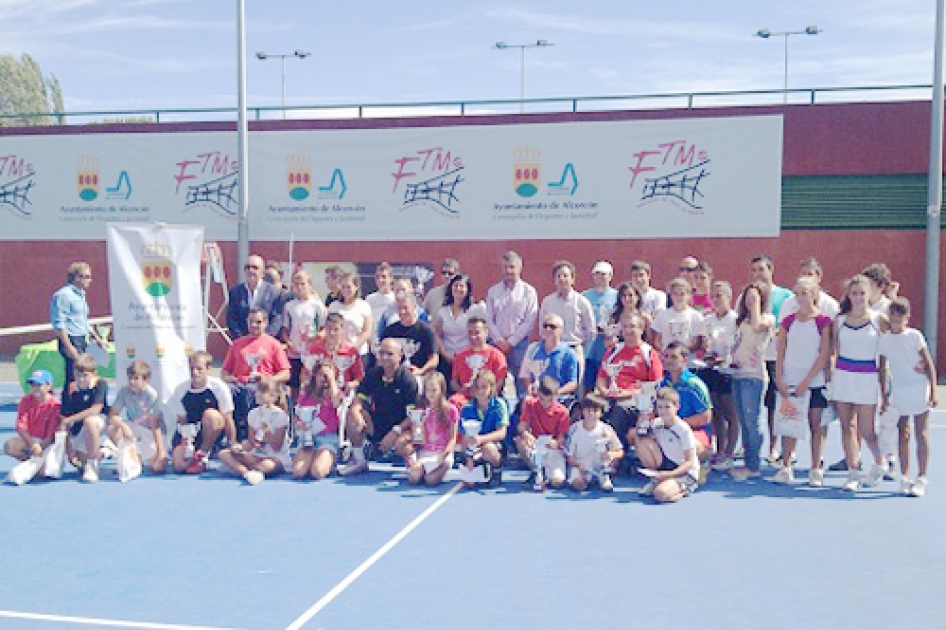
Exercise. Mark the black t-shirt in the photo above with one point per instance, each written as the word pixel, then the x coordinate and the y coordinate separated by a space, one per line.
pixel 388 400
pixel 75 400
pixel 417 340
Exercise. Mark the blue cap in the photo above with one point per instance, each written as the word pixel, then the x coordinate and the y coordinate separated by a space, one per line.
pixel 40 377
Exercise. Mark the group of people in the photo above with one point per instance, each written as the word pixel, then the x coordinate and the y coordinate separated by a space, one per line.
pixel 668 384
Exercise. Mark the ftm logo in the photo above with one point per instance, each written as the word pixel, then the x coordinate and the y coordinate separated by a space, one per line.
pixel 88 177
pixel 157 269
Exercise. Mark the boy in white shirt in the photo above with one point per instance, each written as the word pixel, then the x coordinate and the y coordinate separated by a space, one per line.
pixel 587 460
pixel 668 451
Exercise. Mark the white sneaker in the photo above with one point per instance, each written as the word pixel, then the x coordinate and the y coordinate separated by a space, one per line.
pixel 853 481
pixel 254 477
pixel 906 486
pixel 353 467
pixel 90 473
pixel 918 489
pixel 648 490
pixel 605 483
pixel 784 475
pixel 876 474
pixel 816 478
pixel 723 465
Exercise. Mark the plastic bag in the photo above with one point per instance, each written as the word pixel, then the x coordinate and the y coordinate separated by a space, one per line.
pixel 888 430
pixel 791 416
pixel 128 464
pixel 25 471
pixel 55 456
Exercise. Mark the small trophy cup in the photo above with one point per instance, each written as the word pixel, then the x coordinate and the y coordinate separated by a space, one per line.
pixel 612 370
pixel 417 424
pixel 423 275
pixel 475 362
pixel 538 461
pixel 471 428
pixel 253 359
pixel 188 435
pixel 601 447
pixel 305 415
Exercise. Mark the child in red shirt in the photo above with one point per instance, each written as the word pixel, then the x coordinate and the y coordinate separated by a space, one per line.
pixel 37 418
pixel 544 419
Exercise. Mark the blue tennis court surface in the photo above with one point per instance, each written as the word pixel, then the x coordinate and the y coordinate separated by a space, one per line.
pixel 179 552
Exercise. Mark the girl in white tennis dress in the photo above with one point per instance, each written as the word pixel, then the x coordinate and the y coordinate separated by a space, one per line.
pixel 855 387
pixel 911 390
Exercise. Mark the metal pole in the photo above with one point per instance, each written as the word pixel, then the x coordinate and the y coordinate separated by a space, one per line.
pixel 243 240
pixel 282 64
pixel 522 80
pixel 935 190
pixel 785 82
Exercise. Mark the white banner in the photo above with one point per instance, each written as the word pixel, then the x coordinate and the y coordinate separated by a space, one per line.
pixel 154 285
pixel 696 177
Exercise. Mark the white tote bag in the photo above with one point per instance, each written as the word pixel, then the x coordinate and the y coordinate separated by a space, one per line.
pixel 791 416
pixel 55 456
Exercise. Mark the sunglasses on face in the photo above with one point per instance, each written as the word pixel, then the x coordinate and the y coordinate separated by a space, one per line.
pixel 687 269
pixel 549 326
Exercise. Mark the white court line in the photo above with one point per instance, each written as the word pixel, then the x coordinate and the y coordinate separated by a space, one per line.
pixel 367 564
pixel 113 623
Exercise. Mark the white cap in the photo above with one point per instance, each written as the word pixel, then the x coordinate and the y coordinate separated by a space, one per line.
pixel 603 266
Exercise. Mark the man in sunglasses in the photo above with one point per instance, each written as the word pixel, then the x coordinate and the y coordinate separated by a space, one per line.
pixel 434 298
pixel 254 293
pixel 69 314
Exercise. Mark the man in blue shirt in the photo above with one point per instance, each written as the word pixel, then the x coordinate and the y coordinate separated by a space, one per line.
pixel 696 408
pixel 69 316
pixel 550 357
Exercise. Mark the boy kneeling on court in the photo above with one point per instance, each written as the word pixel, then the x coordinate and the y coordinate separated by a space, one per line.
pixel 203 406
pixel 84 409
pixel 667 449
pixel 143 422
pixel 593 447
pixel 543 420
pixel 37 417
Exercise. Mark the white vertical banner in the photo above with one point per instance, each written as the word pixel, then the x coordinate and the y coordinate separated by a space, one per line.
pixel 154 286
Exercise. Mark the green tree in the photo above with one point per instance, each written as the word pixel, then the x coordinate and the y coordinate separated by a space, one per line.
pixel 27 98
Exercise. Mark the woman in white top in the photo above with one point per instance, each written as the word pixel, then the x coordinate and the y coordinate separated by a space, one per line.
pixel 355 311
pixel 754 329
pixel 855 387
pixel 303 317
pixel 804 345
pixel 681 322
pixel 450 321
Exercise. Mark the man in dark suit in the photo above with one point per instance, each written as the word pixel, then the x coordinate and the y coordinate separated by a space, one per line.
pixel 254 293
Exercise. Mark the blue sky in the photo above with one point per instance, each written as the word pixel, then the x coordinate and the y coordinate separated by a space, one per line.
pixel 128 54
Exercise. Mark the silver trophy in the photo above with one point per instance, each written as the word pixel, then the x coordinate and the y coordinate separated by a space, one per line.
pixel 417 424
pixel 309 360
pixel 475 362
pixel 604 462
pixel 188 433
pixel 539 449
pixel 471 428
pixel 423 275
pixel 612 370
pixel 410 348
pixel 253 359
pixel 306 415
pixel 645 407
pixel 342 363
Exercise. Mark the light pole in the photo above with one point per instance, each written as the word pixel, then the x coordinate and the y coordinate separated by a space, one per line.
pixel 541 43
pixel 765 33
pixel 301 54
